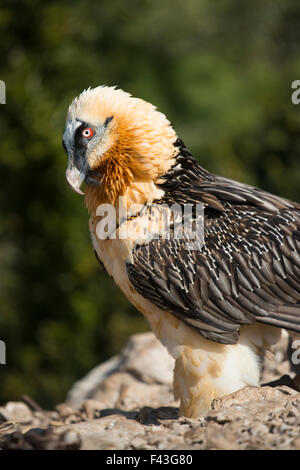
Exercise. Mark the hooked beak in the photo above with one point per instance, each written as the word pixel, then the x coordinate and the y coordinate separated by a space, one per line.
pixel 75 178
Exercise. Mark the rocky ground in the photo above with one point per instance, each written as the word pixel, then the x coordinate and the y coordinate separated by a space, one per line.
pixel 127 403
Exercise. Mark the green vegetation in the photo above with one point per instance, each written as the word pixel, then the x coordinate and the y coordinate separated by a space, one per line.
pixel 221 71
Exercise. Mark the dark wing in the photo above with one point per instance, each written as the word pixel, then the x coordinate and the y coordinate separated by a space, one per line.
pixel 247 270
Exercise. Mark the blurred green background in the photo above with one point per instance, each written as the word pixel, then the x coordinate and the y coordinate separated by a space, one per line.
pixel 220 70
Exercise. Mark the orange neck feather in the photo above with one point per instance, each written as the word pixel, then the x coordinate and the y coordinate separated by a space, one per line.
pixel 120 170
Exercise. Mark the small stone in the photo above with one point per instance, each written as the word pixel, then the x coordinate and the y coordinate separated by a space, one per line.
pixel 258 429
pixel 296 443
pixel 17 411
pixel 64 410
pixel 71 438
pixel 91 408
pixel 138 443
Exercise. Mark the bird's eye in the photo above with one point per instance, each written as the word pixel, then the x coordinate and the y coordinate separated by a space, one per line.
pixel 87 133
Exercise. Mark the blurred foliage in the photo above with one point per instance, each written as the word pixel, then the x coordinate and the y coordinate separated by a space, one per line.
pixel 221 71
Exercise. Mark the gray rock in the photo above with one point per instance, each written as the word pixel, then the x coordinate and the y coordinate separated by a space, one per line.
pixel 16 411
pixel 127 403
pixel 142 361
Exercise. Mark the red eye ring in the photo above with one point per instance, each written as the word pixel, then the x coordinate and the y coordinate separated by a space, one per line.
pixel 87 133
